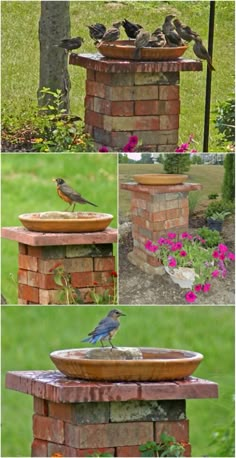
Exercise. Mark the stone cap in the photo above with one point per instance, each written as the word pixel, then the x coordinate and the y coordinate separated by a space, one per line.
pixel 100 63
pixel 161 189
pixel 22 235
pixel 56 387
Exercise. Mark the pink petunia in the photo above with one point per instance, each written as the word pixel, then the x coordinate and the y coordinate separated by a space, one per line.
pixel 190 297
pixel 206 287
pixel 133 140
pixel 161 241
pixel 128 148
pixel 171 235
pixel 215 273
pixel 179 245
pixel 222 256
pixel 198 288
pixel 222 248
pixel 215 254
pixel 148 245
pixel 231 256
pixel 172 262
pixel 183 253
pixel 186 235
pixel 103 149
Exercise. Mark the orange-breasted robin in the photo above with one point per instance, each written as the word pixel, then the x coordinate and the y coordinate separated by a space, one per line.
pixel 68 194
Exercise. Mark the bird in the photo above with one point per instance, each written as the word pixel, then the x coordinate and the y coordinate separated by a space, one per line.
pixel 171 34
pixel 201 52
pixel 184 31
pixel 70 43
pixel 131 28
pixel 96 31
pixel 106 328
pixel 158 39
pixel 113 33
pixel 141 41
pixel 68 194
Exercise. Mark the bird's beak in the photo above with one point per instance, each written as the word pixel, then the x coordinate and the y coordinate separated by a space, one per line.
pixel 122 314
pixel 54 179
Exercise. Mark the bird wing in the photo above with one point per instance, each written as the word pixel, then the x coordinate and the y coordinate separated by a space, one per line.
pixel 68 191
pixel 105 326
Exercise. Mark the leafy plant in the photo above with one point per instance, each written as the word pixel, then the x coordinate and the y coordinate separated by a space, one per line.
pixel 219 206
pixel 225 119
pixel 167 447
pixel 212 238
pixel 67 294
pixel 213 196
pixel 219 216
pixel 105 297
pixel 176 163
pixel 228 188
pixel 194 197
pixel 223 441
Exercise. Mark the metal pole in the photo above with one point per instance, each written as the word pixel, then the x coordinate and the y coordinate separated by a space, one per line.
pixel 208 78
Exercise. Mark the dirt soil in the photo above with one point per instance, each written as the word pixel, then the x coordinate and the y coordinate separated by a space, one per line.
pixel 137 287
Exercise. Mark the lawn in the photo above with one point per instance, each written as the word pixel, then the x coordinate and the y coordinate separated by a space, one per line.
pixel 29 334
pixel 27 187
pixel 210 176
pixel 20 54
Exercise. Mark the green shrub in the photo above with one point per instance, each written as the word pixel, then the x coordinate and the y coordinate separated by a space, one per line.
pixel 228 188
pixel 212 238
pixel 194 197
pixel 213 196
pixel 223 441
pixel 177 163
pixel 225 119
pixel 219 206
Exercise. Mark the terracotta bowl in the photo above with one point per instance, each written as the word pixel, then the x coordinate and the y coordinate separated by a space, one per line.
pixel 66 221
pixel 124 49
pixel 157 364
pixel 160 179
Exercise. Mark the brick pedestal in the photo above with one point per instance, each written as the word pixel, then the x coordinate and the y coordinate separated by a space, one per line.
pixel 156 210
pixel 87 257
pixel 79 418
pixel 126 98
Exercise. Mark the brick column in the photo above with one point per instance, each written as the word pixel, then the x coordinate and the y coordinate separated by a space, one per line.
pixel 87 257
pixel 126 98
pixel 156 210
pixel 77 418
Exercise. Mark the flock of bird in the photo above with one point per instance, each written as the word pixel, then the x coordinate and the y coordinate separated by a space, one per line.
pixel 173 33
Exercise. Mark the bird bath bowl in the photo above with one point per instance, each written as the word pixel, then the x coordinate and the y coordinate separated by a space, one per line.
pixel 157 364
pixel 125 49
pixel 66 221
pixel 157 179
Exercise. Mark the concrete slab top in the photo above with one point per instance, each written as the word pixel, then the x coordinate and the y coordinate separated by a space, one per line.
pixel 161 189
pixel 22 235
pixel 56 387
pixel 97 62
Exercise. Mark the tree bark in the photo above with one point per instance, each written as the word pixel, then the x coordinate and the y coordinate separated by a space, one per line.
pixel 54 25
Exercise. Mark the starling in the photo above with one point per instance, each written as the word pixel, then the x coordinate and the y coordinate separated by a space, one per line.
pixel 70 43
pixel 172 36
pixel 158 39
pixel 185 32
pixel 141 41
pixel 201 52
pixel 113 33
pixel 131 29
pixel 96 31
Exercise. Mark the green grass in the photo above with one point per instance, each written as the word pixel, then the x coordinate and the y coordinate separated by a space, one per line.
pixel 27 187
pixel 29 334
pixel 20 54
pixel 209 176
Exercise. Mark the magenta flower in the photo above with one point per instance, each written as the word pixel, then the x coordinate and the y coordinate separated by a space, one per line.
pixel 231 256
pixel 215 254
pixel 222 256
pixel 206 287
pixel 190 297
pixel 222 248
pixel 215 273
pixel 179 245
pixel 161 241
pixel 172 262
pixel 193 151
pixel 198 288
pixel 154 248
pixel 171 235
pixel 133 140
pixel 148 245
pixel 128 148
pixel 103 149
pixel 186 235
pixel 183 253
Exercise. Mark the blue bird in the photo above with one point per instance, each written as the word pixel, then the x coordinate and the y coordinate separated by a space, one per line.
pixel 106 328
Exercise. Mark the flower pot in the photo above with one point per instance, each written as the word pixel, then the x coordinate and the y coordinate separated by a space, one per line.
pixel 215 224
pixel 183 276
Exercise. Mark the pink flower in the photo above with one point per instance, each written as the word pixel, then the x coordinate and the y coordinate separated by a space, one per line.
pixel 215 254
pixel 222 256
pixel 103 149
pixel 171 235
pixel 222 248
pixel 128 148
pixel 206 287
pixel 231 256
pixel 186 235
pixel 161 241
pixel 198 288
pixel 183 253
pixel 190 296
pixel 179 245
pixel 154 248
pixel 193 151
pixel 148 245
pixel 215 273
pixel 172 262
pixel 133 140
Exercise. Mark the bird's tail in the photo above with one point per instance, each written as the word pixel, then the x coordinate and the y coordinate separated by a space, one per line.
pixel 137 54
pixel 91 203
pixel 94 339
pixel 210 65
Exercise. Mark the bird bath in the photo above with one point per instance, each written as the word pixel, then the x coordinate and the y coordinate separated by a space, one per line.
pixel 124 49
pixel 156 179
pixel 156 364
pixel 53 221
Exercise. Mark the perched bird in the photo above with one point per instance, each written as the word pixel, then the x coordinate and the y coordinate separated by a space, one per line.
pixel 201 52
pixel 158 39
pixel 141 41
pixel 68 194
pixel 70 43
pixel 171 34
pixel 96 31
pixel 131 29
pixel 106 328
pixel 113 33
pixel 184 31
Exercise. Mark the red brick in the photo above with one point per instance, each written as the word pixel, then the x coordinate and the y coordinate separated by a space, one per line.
pixel 124 108
pixel 43 281
pixel 22 301
pixel 23 249
pixel 178 429
pixel 89 102
pixel 60 411
pixel 40 406
pixel 119 93
pixel 102 77
pixel 28 293
pixel 146 107
pixel 169 92
pixel 94 119
pixel 89 130
pixel 187 449
pixel 172 107
pixel 60 450
pixel 49 297
pixel 102 106
pixel 27 262
pixel 172 213
pixel 153 261
pixel 90 75
pixel 148 92
pixel 100 290
pixel 103 277
pixel 107 263
pixel 80 279
pixel 45 265
pixel 85 295
pixel 48 429
pixel 23 276
pixel 39 448
pixel 169 122
pixel 35 251
pixel 78 265
pixel 96 89
pixel 128 451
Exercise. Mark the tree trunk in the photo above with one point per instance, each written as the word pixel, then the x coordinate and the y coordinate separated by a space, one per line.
pixel 54 25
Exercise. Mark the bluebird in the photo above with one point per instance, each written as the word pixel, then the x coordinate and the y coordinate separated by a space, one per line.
pixel 106 328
